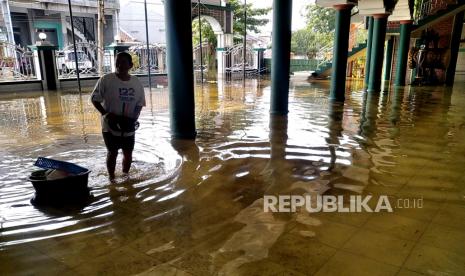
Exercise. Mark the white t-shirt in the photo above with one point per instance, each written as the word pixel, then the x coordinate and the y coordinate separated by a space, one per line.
pixel 123 98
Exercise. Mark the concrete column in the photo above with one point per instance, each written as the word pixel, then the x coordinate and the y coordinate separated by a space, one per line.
pixel 368 56
pixel 225 41
pixel 115 18
pixel 5 9
pixel 260 59
pixel 47 67
pixel 280 62
pixel 377 52
pixel 161 61
pixel 64 29
pixel 454 48
pixel 32 31
pixel 340 52
pixel 402 52
pixel 180 68
pixel 388 62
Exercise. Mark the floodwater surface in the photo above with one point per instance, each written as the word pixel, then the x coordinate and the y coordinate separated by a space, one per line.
pixel 197 207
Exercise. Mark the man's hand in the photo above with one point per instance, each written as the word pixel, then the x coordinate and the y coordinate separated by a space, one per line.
pixel 110 116
pixel 99 107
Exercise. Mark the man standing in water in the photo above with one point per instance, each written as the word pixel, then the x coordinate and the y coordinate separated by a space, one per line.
pixel 119 97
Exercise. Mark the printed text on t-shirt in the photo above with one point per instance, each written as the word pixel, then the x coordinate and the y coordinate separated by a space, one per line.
pixel 126 94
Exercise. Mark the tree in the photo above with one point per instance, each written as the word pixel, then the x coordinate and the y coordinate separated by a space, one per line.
pixel 253 22
pixel 304 42
pixel 207 32
pixel 254 19
pixel 207 36
pixel 321 21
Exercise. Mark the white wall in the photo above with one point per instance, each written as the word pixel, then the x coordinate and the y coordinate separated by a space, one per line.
pixel 132 20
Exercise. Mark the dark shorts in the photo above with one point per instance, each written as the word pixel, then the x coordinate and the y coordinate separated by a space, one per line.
pixel 114 143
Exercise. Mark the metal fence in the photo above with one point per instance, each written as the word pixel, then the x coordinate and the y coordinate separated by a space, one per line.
pixel 426 8
pixel 87 53
pixel 140 57
pixel 206 55
pixel 235 56
pixel 16 63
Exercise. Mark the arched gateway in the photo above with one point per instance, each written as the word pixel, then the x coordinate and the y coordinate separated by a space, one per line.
pixel 220 17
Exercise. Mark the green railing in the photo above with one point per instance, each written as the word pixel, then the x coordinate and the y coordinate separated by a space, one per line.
pixel 297 65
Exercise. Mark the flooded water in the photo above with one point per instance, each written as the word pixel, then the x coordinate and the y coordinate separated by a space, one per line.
pixel 196 207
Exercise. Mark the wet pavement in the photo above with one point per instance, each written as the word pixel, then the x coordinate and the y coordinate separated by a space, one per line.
pixel 196 208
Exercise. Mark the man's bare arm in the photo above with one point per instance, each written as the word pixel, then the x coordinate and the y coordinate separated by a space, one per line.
pixel 99 107
pixel 137 111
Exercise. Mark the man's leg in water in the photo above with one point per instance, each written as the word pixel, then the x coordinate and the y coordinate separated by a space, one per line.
pixel 128 148
pixel 111 163
pixel 112 144
pixel 127 160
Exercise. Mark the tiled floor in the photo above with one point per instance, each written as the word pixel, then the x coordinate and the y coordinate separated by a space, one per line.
pixel 197 208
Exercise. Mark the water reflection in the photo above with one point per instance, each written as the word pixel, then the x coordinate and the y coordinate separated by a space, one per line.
pixel 335 117
pixel 369 114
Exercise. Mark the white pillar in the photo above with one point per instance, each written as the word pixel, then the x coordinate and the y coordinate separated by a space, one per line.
pixel 161 61
pixel 64 29
pixel 116 24
pixel 7 19
pixel 225 41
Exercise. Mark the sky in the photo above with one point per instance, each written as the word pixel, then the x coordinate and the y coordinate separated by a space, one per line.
pixel 298 6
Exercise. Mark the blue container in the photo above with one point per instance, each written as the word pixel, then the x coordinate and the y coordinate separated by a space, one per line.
pixel 47 163
pixel 69 189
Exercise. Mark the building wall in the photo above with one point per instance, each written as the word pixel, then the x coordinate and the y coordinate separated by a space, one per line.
pixel 395 51
pixel 352 37
pixel 444 28
pixel 132 20
pixel 21 29
pixel 108 35
pixel 51 19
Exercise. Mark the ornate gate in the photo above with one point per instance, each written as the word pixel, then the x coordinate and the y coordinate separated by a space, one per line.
pixel 16 63
pixel 87 53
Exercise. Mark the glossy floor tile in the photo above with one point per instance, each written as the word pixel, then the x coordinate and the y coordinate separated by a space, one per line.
pixel 197 207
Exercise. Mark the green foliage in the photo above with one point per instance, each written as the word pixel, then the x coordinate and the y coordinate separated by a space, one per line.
pixel 207 32
pixel 318 33
pixel 307 42
pixel 361 36
pixel 304 42
pixel 254 19
pixel 320 20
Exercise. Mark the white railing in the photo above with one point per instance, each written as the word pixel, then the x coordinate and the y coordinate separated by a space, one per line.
pixel 16 63
pixel 206 54
pixel 235 60
pixel 324 55
pixel 140 57
pixel 429 7
pixel 87 61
